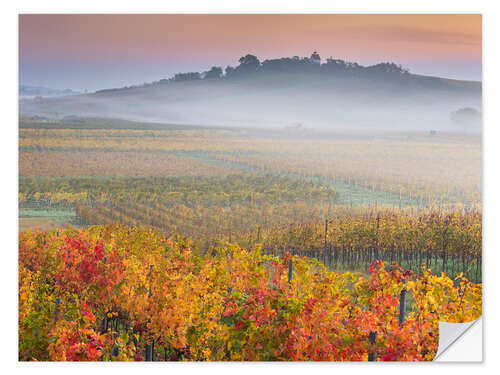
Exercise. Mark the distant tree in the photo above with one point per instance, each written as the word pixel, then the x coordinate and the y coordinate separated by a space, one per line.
pixel 214 72
pixel 248 64
pixel 403 69
pixel 467 118
pixel 187 76
pixel 249 61
pixel 385 69
pixel 335 62
pixel 229 70
pixel 287 64
pixel 336 65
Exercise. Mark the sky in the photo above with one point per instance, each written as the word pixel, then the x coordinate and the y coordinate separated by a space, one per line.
pixel 103 51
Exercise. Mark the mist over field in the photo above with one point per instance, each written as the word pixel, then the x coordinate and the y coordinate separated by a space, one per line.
pixel 326 97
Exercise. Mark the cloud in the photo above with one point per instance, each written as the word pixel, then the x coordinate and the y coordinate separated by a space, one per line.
pixel 401 34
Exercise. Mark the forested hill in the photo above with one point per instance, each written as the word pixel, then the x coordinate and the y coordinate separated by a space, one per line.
pixel 280 92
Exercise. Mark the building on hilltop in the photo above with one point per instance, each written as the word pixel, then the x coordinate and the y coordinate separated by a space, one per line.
pixel 315 58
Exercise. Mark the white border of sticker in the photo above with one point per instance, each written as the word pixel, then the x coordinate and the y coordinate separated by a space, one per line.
pixel 460 342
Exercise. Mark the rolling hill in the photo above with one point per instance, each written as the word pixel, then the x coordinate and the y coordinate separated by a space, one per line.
pixel 278 99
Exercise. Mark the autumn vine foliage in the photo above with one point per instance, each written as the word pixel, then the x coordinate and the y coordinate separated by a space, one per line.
pixel 110 292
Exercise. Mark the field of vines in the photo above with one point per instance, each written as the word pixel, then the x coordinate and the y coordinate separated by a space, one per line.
pixel 443 169
pixel 202 244
pixel 346 239
pixel 122 293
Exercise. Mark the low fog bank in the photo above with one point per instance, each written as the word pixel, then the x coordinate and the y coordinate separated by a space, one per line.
pixel 278 101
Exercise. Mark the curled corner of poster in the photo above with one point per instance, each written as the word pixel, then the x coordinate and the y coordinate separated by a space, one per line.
pixel 460 342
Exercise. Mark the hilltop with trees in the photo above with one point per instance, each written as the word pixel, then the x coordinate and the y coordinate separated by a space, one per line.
pixel 250 65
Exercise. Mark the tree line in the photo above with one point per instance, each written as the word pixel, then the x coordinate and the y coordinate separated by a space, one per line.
pixel 251 65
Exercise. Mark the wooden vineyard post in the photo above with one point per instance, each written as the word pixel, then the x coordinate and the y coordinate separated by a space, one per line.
pixel 443 267
pixel 105 325
pixel 151 266
pixel 444 248
pixel 56 312
pixel 326 230
pixel 150 347
pixel 150 352
pixel 463 262
pixel 452 264
pixel 376 237
pixel 371 355
pixel 477 269
pixel 290 270
pixel 402 305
